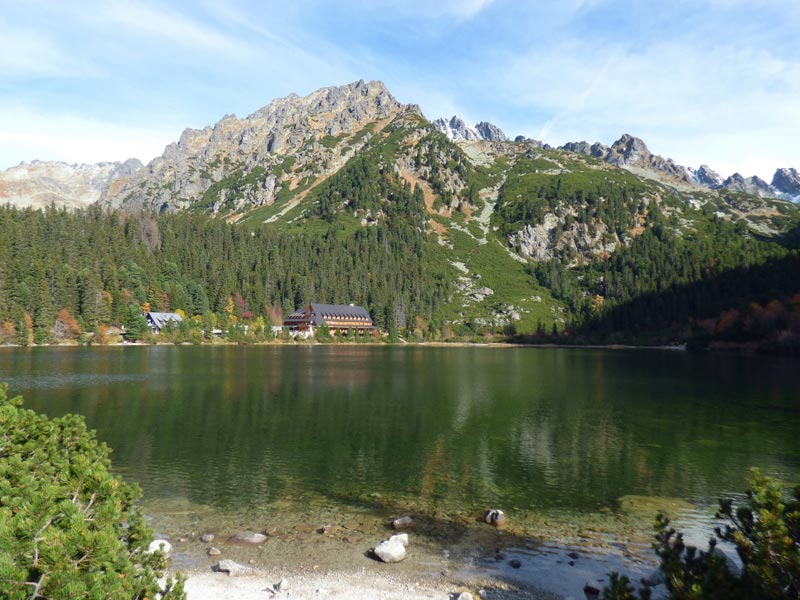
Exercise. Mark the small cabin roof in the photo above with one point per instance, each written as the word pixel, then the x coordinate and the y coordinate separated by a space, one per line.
pixel 160 319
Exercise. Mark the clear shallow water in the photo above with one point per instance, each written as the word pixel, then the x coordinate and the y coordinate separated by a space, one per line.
pixel 451 429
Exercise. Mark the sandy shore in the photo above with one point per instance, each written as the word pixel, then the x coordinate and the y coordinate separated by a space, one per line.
pixel 347 585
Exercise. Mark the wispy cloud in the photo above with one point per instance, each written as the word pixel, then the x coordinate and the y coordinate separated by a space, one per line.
pixel 669 91
pixel 165 26
pixel 713 80
pixel 74 138
pixel 29 53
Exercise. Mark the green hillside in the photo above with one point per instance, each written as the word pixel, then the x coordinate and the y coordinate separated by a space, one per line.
pixel 433 238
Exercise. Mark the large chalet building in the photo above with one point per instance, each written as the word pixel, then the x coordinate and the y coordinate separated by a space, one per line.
pixel 338 318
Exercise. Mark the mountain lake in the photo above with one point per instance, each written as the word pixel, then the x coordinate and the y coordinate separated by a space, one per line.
pixel 321 446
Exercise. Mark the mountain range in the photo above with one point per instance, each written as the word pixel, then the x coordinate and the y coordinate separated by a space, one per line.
pixel 306 128
pixel 480 231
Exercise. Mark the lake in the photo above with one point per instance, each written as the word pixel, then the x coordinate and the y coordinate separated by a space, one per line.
pixel 438 430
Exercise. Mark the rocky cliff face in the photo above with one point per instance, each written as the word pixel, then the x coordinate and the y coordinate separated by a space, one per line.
pixel 458 131
pixel 246 162
pixel 787 183
pixel 295 142
pixel 752 185
pixel 631 153
pixel 43 183
pixel 707 177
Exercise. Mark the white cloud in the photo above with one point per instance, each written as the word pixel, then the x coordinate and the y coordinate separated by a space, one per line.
pixel 28 53
pixel 74 139
pixel 167 26
pixel 692 99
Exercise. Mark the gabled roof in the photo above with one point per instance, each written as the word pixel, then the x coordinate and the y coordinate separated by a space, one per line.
pixel 339 311
pixel 160 319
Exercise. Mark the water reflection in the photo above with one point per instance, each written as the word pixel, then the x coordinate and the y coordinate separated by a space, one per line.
pixel 526 428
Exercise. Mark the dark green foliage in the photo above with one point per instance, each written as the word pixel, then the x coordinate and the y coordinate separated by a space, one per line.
pixel 68 528
pixel 330 141
pixel 620 588
pixel 765 530
pixel 662 281
pixel 135 324
pixel 196 263
pixel 232 188
pixel 610 197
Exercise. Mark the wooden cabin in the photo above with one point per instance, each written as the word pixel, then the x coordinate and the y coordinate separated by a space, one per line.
pixel 340 319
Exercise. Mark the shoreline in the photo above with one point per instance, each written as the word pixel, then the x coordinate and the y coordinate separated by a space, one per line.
pixel 328 548
pixel 348 344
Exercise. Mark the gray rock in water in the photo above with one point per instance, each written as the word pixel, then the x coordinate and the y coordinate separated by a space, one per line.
pixel 465 596
pixel 403 523
pixel 390 551
pixel 207 537
pixel 495 517
pixel 734 567
pixel 591 592
pixel 248 537
pixel 213 551
pixel 233 569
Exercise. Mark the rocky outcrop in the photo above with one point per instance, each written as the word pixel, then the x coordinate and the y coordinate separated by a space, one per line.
pixel 597 149
pixel 456 129
pixel 240 163
pixel 707 177
pixel 629 151
pixel 787 183
pixel 752 185
pixel 490 132
pixel 43 183
pixel 632 153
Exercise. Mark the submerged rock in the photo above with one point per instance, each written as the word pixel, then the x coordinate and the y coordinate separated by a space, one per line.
pixel 213 551
pixel 207 537
pixel 495 517
pixel 233 569
pixel 591 592
pixel 403 523
pixel 248 537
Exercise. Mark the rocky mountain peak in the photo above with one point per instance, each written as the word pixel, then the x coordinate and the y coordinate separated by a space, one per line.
pixel 752 185
pixel 787 181
pixel 629 150
pixel 491 132
pixel 457 129
pixel 596 150
pixel 707 177
pixel 40 183
pixel 307 128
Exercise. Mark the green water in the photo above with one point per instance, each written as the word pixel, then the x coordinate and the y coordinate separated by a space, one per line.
pixel 450 429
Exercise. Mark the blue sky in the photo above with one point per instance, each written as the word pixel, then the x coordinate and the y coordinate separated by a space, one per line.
pixel 714 81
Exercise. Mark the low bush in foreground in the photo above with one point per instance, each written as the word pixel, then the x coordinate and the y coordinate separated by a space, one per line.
pixel 69 529
pixel 765 530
